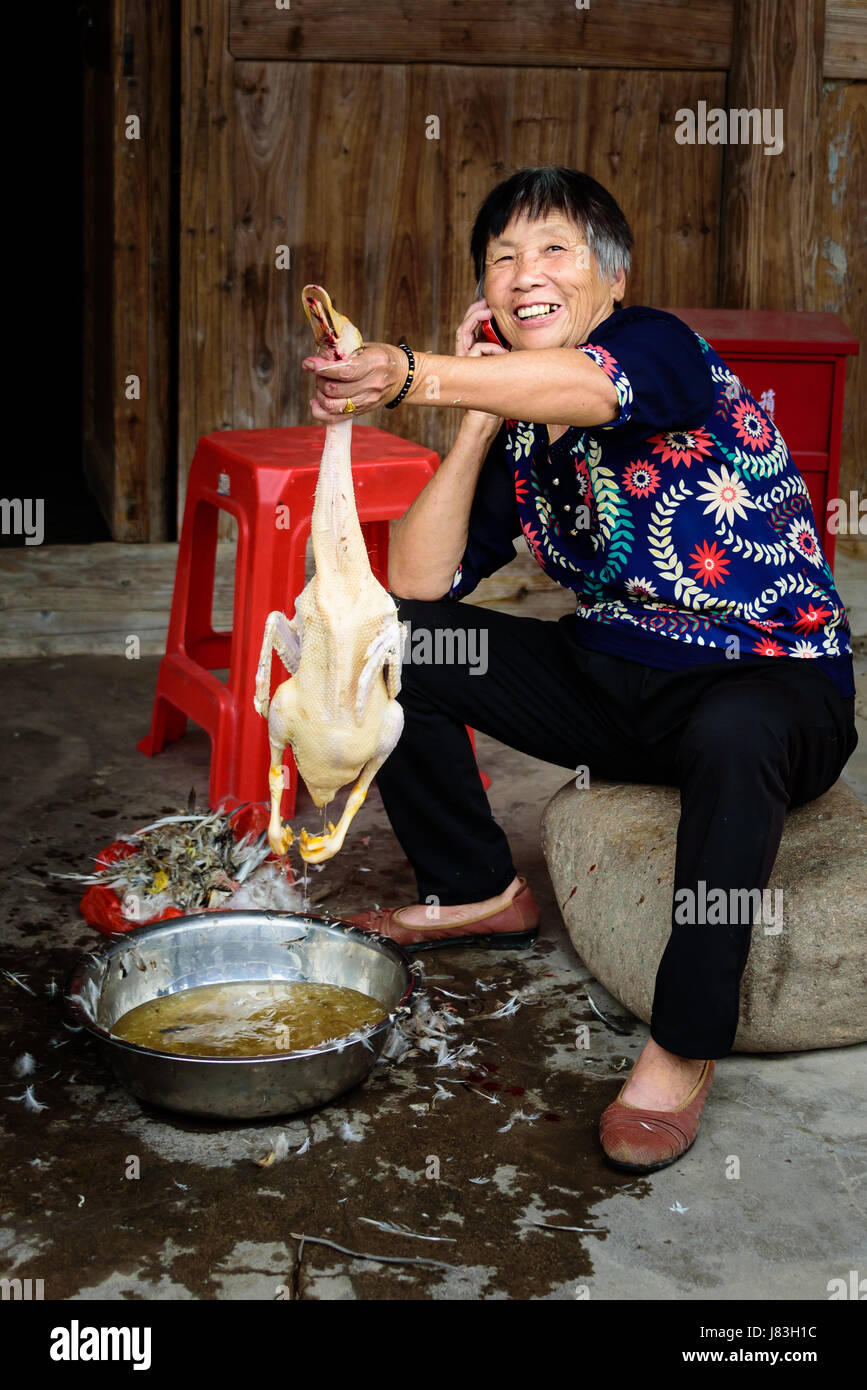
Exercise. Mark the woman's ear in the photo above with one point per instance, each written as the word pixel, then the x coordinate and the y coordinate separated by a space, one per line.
pixel 618 285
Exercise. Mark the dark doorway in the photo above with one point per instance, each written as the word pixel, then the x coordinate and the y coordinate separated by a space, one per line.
pixel 43 462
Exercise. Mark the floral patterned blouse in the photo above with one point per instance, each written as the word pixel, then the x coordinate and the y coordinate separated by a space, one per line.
pixel 683 526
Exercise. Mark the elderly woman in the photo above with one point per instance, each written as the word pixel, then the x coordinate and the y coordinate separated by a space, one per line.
pixel 709 648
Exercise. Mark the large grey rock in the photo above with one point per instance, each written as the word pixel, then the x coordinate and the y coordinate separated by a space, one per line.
pixel 610 853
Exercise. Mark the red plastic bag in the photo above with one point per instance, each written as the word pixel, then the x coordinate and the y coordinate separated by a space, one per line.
pixel 101 907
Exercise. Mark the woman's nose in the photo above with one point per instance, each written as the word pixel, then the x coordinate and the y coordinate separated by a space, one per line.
pixel 527 272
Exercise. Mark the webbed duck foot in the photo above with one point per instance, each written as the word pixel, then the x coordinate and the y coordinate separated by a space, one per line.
pixel 316 848
pixel 281 839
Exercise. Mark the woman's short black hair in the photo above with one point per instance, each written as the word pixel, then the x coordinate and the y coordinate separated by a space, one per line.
pixel 553 188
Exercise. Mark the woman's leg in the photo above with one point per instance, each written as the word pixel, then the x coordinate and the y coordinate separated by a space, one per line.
pixel 528 692
pixel 755 744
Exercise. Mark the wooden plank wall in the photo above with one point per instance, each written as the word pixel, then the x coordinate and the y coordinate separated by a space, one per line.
pixel 282 146
pixel 206 340
pixel 617 34
pixel 127 264
pixel 840 281
pixel 793 233
pixel 332 160
pixel 845 53
pixel 778 54
pixel 398 258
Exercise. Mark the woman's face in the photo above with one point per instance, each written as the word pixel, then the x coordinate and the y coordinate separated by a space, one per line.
pixel 543 283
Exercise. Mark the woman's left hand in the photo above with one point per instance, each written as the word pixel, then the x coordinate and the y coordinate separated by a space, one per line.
pixel 370 378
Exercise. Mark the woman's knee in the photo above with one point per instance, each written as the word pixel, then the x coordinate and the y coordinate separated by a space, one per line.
pixel 718 744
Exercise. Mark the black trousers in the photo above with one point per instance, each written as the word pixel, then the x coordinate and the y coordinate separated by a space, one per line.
pixel 743 741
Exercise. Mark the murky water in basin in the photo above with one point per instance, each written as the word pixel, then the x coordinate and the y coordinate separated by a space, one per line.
pixel 248 1019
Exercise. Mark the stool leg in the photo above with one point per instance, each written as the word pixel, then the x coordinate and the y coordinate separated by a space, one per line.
pixel 167 724
pixel 224 788
pixel 200 641
pixel 269 575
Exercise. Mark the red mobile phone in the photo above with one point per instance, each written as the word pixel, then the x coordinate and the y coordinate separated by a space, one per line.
pixel 493 335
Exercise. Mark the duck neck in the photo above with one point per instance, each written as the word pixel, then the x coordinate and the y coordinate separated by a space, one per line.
pixel 338 543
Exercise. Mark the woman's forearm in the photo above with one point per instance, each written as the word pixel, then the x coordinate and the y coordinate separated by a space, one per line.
pixel 427 543
pixel 556 385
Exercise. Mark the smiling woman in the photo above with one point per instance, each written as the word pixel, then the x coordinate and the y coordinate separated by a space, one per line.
pixel 645 478
pixel 588 227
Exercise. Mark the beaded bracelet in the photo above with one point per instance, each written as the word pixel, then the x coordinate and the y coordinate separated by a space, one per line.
pixel 410 374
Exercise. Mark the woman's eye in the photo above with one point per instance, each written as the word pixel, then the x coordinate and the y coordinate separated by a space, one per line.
pixel 556 248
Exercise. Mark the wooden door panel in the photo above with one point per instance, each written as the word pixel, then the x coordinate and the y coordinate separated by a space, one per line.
pixel 538 33
pixel 335 161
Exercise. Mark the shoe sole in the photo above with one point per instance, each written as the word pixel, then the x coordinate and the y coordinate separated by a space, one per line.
pixel 646 1167
pixel 491 941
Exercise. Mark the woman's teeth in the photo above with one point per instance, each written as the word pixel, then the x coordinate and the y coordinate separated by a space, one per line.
pixel 534 311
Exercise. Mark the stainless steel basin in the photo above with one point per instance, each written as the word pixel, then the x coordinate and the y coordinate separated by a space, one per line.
pixel 211 948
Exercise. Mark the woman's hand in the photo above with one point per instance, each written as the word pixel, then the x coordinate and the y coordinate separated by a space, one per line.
pixel 466 346
pixel 465 338
pixel 370 378
pixel 375 375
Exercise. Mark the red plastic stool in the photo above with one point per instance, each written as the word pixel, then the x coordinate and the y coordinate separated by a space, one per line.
pixel 266 479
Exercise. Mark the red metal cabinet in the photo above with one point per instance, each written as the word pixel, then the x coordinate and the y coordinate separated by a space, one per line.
pixel 794 365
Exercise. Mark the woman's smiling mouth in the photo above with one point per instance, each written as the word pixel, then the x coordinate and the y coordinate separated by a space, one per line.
pixel 534 313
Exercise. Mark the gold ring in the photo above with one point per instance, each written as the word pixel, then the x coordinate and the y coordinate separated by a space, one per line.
pixel 348 408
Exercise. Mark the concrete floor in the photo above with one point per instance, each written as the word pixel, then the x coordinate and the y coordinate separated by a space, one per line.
pixel 202 1221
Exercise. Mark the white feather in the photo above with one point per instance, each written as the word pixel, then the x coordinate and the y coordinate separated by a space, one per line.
pixel 518 1115
pixel 30 1101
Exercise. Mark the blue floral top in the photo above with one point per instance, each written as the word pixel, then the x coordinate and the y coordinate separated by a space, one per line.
pixel 683 526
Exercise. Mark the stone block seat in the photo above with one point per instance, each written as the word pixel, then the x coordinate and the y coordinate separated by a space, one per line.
pixel 610 853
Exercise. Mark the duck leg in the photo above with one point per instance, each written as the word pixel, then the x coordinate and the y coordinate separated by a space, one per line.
pixel 282 722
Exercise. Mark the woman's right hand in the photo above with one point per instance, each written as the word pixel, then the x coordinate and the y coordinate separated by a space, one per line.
pixel 466 346
pixel 465 338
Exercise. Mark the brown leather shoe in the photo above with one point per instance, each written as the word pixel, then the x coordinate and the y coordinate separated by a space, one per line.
pixel 640 1141
pixel 516 924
